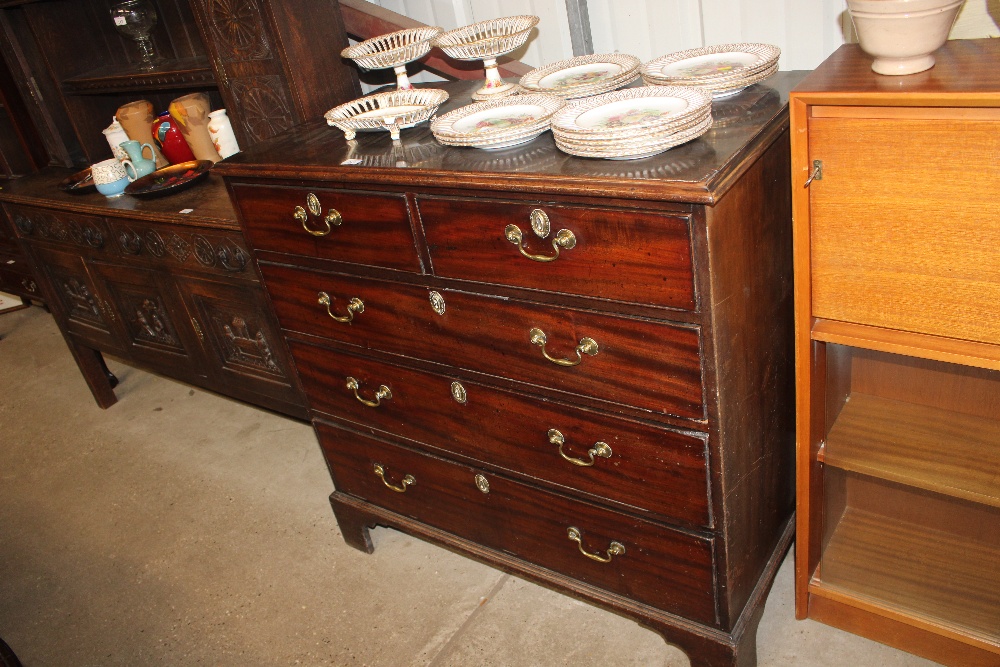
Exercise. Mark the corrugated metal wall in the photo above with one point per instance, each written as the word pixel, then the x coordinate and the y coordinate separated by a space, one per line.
pixel 807 31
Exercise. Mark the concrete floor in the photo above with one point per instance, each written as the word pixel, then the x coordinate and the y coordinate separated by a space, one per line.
pixel 183 528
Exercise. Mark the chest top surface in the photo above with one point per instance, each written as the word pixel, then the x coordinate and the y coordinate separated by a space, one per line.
pixel 699 171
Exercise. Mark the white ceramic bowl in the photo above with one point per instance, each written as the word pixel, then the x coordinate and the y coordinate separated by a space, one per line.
pixel 902 34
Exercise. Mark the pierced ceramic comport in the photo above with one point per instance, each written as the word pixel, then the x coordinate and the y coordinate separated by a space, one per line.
pixel 393 111
pixel 487 41
pixel 394 50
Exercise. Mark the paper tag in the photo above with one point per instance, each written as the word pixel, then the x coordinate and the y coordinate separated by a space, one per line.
pixel 186 210
pixel 12 261
pixel 119 20
pixel 351 161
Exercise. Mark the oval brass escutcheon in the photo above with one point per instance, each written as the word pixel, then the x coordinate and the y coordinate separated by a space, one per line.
pixel 312 203
pixel 437 302
pixel 540 223
pixel 458 393
pixel 482 484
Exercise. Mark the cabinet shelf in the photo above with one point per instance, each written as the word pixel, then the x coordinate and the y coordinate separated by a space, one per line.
pixel 945 579
pixel 938 450
pixel 184 74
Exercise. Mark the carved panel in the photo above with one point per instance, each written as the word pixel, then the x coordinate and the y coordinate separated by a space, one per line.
pixel 232 257
pixel 263 107
pixel 179 248
pixel 155 243
pixel 129 241
pixel 148 321
pixel 239 30
pixel 83 232
pixel 78 300
pixel 204 251
pixel 243 348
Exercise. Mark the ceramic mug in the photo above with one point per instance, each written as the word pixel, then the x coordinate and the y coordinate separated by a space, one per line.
pixel 110 177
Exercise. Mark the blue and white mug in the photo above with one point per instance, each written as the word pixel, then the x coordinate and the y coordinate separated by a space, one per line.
pixel 110 177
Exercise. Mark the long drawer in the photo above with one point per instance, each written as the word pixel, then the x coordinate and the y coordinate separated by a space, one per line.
pixel 631 256
pixel 651 365
pixel 662 471
pixel 652 564
pixel 365 228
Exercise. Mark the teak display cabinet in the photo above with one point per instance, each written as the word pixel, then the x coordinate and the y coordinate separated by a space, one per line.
pixel 897 313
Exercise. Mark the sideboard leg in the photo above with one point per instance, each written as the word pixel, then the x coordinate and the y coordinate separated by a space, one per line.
pixel 95 373
pixel 112 378
pixel 354 525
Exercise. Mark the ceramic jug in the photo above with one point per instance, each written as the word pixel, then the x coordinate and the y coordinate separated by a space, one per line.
pixel 191 114
pixel 136 119
pixel 115 136
pixel 170 140
pixel 140 164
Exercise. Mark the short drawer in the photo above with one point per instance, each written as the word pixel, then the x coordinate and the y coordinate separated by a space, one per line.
pixel 651 469
pixel 209 251
pixel 629 256
pixel 363 228
pixel 84 231
pixel 900 236
pixel 651 365
pixel 652 564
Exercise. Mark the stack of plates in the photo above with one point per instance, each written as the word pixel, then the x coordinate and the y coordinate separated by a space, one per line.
pixel 583 76
pixel 498 123
pixel 632 123
pixel 722 70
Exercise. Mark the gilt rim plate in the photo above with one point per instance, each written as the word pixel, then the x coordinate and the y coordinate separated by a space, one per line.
pixel 583 75
pixel 630 111
pixel 721 61
pixel 496 122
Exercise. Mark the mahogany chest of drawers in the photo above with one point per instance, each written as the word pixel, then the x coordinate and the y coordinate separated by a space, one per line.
pixel 578 371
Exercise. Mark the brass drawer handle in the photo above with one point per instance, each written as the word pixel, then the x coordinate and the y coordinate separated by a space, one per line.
pixel 332 217
pixel 382 392
pixel 564 238
pixel 586 346
pixel 601 449
pixel 614 549
pixel 409 480
pixel 355 305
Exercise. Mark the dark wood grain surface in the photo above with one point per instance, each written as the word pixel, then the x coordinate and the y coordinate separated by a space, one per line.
pixel 208 200
pixel 618 254
pixel 699 171
pixel 374 228
pixel 651 365
pixel 662 567
pixel 649 469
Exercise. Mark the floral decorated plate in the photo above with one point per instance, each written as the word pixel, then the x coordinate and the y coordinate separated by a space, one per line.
pixel 583 76
pixel 630 112
pixel 497 123
pixel 711 63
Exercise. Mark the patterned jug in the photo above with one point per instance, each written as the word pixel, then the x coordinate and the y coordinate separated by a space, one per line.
pixel 170 140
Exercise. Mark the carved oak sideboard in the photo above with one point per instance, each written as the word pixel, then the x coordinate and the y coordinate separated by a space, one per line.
pixel 610 415
pixel 170 291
